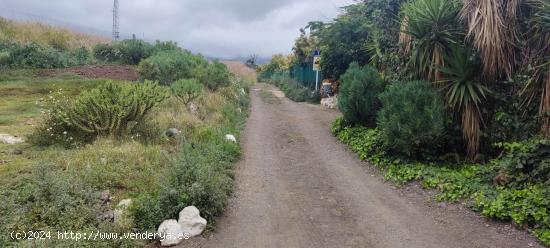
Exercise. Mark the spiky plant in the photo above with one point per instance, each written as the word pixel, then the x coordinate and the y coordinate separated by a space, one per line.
pixel 433 29
pixel 465 93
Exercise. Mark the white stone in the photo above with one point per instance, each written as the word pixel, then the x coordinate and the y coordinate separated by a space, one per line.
pixel 230 137
pixel 193 108
pixel 191 222
pixel 170 233
pixel 329 102
pixel 9 139
pixel 120 210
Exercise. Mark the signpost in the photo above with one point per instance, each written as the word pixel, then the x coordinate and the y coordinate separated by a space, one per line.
pixel 317 66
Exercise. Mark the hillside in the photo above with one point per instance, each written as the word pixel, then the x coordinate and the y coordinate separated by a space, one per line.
pixel 44 34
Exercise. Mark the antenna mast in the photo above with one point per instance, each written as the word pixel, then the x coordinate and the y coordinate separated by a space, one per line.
pixel 116 32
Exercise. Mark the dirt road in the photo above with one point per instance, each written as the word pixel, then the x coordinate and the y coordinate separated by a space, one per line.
pixel 297 186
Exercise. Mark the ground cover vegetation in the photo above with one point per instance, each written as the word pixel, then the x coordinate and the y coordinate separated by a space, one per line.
pixel 89 143
pixel 452 94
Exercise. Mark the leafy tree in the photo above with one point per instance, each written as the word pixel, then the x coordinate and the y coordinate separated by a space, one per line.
pixel 278 63
pixel 343 41
pixel 303 48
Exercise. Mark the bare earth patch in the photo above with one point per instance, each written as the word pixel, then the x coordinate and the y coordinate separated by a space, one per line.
pixel 116 72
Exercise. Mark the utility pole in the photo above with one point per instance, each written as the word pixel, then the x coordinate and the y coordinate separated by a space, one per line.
pixel 116 32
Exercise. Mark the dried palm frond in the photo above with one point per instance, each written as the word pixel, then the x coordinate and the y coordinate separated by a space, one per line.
pixel 471 128
pixel 536 54
pixel 487 27
pixel 405 39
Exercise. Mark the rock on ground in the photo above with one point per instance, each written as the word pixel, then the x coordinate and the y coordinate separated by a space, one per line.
pixel 172 132
pixel 171 233
pixel 191 222
pixel 230 137
pixel 120 211
pixel 9 139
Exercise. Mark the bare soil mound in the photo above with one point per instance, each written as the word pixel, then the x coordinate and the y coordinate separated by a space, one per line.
pixel 116 72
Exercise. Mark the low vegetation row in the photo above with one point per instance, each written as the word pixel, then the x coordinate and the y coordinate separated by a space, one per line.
pixel 513 186
pixel 293 90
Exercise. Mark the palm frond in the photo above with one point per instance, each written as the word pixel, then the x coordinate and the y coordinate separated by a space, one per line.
pixel 433 29
pixel 465 93
pixel 488 29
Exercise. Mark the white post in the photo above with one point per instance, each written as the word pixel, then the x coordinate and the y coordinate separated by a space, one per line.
pixel 317 81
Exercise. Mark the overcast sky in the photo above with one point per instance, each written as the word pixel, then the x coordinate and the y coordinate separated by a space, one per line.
pixel 218 28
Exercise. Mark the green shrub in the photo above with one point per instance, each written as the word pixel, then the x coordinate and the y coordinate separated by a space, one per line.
pixel 168 67
pixel 187 90
pixel 526 161
pixel 112 109
pixel 527 206
pixel 358 98
pixel 164 46
pixel 132 51
pixel 33 55
pixel 4 59
pixel 81 56
pixel 215 75
pixel 412 118
pixel 106 53
pixel 292 89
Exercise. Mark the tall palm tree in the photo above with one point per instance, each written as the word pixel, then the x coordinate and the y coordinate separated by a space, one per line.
pixel 465 92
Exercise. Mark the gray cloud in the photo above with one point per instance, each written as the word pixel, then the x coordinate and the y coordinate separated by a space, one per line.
pixel 218 28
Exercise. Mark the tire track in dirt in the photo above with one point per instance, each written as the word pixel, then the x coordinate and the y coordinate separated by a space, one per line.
pixel 297 186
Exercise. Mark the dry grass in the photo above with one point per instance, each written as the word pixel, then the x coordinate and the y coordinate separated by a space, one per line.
pixel 57 37
pixel 241 70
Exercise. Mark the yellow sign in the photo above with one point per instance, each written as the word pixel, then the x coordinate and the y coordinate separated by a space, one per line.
pixel 317 63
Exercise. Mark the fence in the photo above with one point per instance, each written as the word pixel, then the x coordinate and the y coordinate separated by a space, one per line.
pixel 303 74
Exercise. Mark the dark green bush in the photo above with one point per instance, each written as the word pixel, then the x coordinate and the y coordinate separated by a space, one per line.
pixel 187 90
pixel 412 117
pixel 358 98
pixel 112 109
pixel 168 67
pixel 526 161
